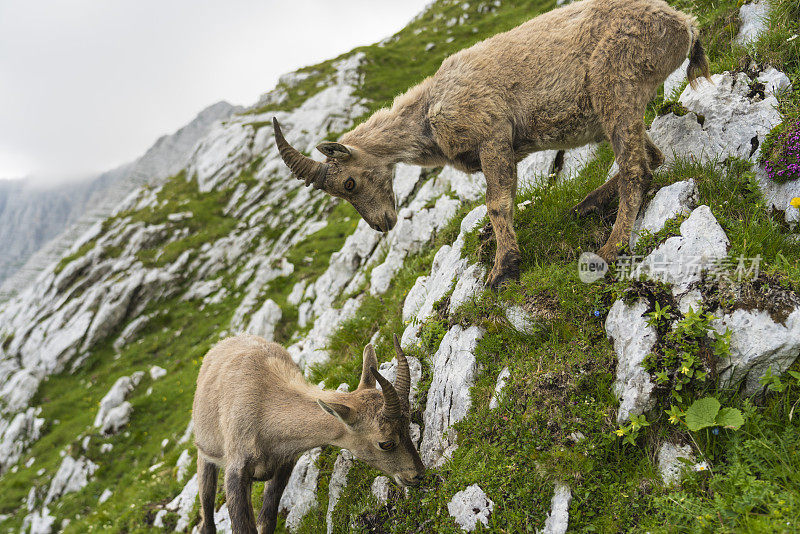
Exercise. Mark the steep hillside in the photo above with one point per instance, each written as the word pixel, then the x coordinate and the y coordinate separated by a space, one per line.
pixel 38 224
pixel 659 398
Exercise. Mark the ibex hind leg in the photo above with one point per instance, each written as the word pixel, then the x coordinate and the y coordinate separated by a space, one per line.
pixel 268 517
pixel 207 482
pixel 605 195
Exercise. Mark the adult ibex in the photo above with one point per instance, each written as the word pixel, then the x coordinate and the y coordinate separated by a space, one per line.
pixel 254 413
pixel 581 73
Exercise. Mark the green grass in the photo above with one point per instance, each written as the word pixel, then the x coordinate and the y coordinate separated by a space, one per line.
pixel 561 374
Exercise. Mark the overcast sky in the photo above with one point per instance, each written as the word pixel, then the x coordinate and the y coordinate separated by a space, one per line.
pixel 86 85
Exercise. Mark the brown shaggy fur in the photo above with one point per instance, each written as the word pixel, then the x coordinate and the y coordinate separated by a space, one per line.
pixel 578 74
pixel 254 413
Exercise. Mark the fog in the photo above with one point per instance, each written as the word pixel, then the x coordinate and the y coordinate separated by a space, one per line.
pixel 86 85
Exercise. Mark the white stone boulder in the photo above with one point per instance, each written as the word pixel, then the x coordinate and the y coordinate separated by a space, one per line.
pixel 265 319
pixel 680 260
pixel 183 464
pixel 755 21
pixel 17 434
pixel 469 284
pixel 669 466
pixel 300 495
pixel 454 368
pixel 380 489
pixel 338 481
pixel 669 202
pixel 114 411
pixel 735 123
pixel 557 520
pixel 183 503
pixel 758 343
pixel 633 339
pixel 72 475
pixel 469 507
pixel 157 372
pixel 502 379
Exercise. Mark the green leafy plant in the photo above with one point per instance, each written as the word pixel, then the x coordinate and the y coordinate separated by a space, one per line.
pixel 707 412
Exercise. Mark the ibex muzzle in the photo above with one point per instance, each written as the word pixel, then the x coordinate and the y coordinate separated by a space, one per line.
pixel 255 414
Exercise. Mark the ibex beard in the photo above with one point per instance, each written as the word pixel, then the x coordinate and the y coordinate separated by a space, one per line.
pixel 578 74
pixel 254 414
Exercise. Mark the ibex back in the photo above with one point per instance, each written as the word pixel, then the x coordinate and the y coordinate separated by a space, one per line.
pixel 254 413
pixel 578 74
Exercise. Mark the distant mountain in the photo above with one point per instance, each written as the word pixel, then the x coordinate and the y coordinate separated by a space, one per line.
pixel 38 224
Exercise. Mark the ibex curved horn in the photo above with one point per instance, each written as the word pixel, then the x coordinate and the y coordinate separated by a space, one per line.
pixel 301 166
pixel 392 408
pixel 402 382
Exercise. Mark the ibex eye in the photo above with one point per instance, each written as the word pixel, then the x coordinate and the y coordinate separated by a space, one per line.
pixel 349 184
pixel 387 445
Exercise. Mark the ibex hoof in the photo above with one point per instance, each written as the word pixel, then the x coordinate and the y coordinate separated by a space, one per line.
pixel 608 252
pixel 502 273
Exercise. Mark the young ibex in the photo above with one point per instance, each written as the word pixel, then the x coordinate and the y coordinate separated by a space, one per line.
pixel 581 73
pixel 254 413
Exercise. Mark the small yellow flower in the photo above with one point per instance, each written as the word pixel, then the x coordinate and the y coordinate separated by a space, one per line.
pixel 795 202
pixel 619 432
pixel 674 419
pixel 685 369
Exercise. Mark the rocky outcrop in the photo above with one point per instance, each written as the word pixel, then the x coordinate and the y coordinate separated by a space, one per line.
pixel 633 340
pixel 469 507
pixel 115 411
pixel 453 369
pixel 557 520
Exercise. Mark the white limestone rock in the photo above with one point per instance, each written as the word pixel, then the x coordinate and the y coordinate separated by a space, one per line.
pixel 183 464
pixel 557 520
pixel 755 20
pixel 380 489
pixel 735 124
pixel 447 266
pixel 469 507
pixel 414 230
pixel 114 411
pixel 470 283
pixel 406 178
pixel 16 435
pixel 633 340
pixel 467 187
pixel 520 320
pixel 39 522
pixel 157 372
pixel 757 343
pixel 296 294
pixel 777 195
pixel 18 390
pixel 453 368
pixel 669 466
pixel 675 80
pixel 338 481
pixel 575 159
pixel 669 202
pixel 183 503
pixel 535 169
pixel 264 321
pixel 300 494
pixel 680 260
pixel 502 379
pixel 107 493
pixel 72 475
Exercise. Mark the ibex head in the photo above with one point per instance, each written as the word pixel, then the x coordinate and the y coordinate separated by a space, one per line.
pixel 349 173
pixel 378 421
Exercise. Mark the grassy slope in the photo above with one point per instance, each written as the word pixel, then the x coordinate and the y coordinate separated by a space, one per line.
pixel 561 375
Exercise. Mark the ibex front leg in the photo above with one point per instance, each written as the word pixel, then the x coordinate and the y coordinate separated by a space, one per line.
pixel 237 494
pixel 268 517
pixel 497 161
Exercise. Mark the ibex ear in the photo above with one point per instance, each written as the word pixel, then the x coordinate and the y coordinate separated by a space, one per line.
pixel 340 411
pixel 335 150
pixel 370 360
